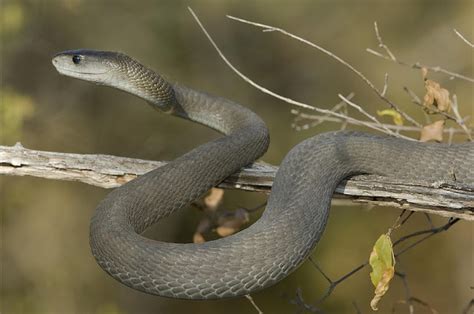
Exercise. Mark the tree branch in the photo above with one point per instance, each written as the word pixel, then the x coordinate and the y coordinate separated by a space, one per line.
pixel 444 199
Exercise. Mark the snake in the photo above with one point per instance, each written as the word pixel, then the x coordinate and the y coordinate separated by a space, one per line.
pixel 297 208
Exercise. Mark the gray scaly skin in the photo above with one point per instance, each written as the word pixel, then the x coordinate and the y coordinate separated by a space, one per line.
pixel 297 209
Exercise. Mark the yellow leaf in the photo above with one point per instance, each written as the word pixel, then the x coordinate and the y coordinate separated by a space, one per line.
pixel 397 117
pixel 436 96
pixel 433 131
pixel 382 262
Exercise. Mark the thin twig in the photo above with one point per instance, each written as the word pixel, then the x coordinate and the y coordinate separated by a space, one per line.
pixel 431 232
pixel 414 97
pixel 459 119
pixel 430 221
pixel 420 66
pixel 403 277
pixel 312 261
pixel 340 106
pixel 406 219
pixel 381 44
pixel 385 85
pixel 332 55
pixel 334 283
pixel 463 38
pixel 391 57
pixel 249 297
pixel 273 94
pixel 300 302
pixel 374 119
pixel 325 118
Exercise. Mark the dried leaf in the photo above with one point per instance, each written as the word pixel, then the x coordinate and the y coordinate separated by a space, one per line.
pixel 198 238
pixel 433 131
pixel 214 198
pixel 397 117
pixel 382 262
pixel 382 287
pixel 424 73
pixel 436 96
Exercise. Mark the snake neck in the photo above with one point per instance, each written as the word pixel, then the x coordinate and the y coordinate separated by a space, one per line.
pixel 215 112
pixel 131 76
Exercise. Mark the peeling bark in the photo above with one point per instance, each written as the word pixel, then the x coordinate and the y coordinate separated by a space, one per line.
pixel 107 171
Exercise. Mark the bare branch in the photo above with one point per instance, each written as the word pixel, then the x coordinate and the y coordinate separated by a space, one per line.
pixel 325 51
pixel 443 198
pixel 408 301
pixel 391 57
pixel 381 44
pixel 249 297
pixel 374 119
pixel 463 38
pixel 334 283
pixel 301 303
pixel 318 119
pixel 273 94
pixel 459 120
pixel 385 85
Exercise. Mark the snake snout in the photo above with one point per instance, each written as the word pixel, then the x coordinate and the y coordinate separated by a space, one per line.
pixel 82 64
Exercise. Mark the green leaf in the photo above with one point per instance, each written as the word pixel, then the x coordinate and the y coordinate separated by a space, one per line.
pixel 382 262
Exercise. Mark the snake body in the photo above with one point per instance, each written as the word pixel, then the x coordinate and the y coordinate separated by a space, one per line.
pixel 297 209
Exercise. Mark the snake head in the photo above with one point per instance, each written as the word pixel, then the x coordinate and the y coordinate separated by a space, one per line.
pixel 89 65
pixel 117 70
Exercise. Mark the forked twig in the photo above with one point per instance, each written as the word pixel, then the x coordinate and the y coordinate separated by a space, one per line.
pixel 297 103
pixel 268 28
pixel 334 283
pixel 417 65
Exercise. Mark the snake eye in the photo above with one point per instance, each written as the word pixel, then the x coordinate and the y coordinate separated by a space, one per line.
pixel 76 59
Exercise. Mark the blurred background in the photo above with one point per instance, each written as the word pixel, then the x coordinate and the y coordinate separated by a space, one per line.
pixel 46 264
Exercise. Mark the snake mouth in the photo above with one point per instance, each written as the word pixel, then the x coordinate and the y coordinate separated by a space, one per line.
pixel 66 71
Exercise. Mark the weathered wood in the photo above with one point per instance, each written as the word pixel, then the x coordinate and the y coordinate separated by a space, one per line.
pixel 106 171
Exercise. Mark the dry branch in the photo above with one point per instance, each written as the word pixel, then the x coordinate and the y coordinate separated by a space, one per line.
pixel 269 28
pixel 444 199
pixel 463 38
pixel 417 65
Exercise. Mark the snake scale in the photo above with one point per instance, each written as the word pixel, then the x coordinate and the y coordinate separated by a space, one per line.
pixel 297 209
